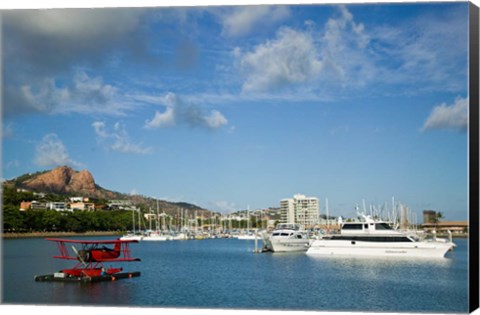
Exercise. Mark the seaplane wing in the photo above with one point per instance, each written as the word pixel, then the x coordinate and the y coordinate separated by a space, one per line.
pixel 94 251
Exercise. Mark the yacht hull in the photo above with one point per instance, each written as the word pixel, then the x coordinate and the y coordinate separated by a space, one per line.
pixel 247 237
pixel 373 249
pixel 158 238
pixel 131 237
pixel 287 245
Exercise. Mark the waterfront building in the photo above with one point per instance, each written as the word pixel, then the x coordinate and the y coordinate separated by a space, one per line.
pixel 429 216
pixel 300 209
pixel 456 227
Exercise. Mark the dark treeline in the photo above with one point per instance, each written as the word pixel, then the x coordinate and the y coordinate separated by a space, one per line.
pixel 52 221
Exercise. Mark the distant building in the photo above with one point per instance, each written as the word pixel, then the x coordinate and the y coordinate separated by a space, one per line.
pixel 57 206
pixel 300 209
pixel 121 205
pixel 39 195
pixel 37 205
pixel 429 216
pixel 80 205
pixel 25 205
pixel 456 227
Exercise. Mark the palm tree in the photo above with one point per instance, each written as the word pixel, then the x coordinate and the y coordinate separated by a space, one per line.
pixel 438 216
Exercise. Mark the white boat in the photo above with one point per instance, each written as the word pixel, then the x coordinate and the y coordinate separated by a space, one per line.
pixel 373 238
pixel 250 236
pixel 157 235
pixel 154 236
pixel 180 236
pixel 287 237
pixel 132 236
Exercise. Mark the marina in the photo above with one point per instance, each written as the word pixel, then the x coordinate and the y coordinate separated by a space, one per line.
pixel 225 273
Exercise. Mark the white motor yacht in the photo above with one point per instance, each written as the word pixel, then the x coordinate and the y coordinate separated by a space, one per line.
pixel 132 236
pixel 248 236
pixel 156 236
pixel 377 239
pixel 287 237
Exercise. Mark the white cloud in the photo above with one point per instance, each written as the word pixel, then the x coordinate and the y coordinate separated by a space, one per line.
pixel 454 116
pixel 424 54
pixel 215 119
pixel 52 152
pixel 99 127
pixel 178 110
pixel 118 140
pixel 314 59
pixel 84 95
pixel 241 21
pixel 342 48
pixel 290 58
pixel 165 119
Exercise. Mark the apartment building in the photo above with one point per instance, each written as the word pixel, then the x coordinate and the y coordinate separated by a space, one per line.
pixel 300 209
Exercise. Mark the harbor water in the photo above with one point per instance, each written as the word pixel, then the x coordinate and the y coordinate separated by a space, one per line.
pixel 225 273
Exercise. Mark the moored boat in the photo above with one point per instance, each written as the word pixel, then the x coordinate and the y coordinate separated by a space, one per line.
pixel 132 236
pixel 374 238
pixel 287 237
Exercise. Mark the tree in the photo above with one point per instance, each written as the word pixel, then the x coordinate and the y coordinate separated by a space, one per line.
pixel 439 216
pixel 50 220
pixel 13 219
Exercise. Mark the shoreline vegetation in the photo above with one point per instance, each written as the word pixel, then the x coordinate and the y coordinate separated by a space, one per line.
pixel 58 234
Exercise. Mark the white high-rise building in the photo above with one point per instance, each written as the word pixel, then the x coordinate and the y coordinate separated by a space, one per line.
pixel 299 209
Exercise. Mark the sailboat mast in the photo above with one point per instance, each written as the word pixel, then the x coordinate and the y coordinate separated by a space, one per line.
pixel 326 206
pixel 133 220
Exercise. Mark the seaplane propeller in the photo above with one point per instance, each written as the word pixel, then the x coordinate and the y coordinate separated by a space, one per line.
pixel 80 258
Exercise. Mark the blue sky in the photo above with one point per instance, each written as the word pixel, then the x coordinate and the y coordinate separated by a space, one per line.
pixel 235 106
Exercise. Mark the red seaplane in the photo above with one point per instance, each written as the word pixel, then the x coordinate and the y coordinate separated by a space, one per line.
pixel 91 257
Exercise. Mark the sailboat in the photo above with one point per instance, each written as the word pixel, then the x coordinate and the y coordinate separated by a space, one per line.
pixel 133 235
pixel 248 235
pixel 157 235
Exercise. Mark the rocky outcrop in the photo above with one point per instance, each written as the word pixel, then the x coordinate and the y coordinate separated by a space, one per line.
pixel 63 180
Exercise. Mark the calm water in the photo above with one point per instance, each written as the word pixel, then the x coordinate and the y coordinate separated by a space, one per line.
pixel 225 273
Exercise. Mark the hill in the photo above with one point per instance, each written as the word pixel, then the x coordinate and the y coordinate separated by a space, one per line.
pixel 65 181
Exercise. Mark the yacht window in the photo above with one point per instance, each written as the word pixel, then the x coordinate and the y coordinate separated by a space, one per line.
pixel 383 239
pixel 382 226
pixel 284 234
pixel 299 236
pixel 352 227
pixel 275 234
pixel 365 226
